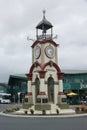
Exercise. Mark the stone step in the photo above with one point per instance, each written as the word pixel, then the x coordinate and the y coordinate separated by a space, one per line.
pixel 67 111
pixel 54 108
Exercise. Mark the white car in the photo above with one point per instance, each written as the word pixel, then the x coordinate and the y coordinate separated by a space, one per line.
pixel 5 101
pixel 5 98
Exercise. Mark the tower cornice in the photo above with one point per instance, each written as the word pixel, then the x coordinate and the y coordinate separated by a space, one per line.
pixel 44 42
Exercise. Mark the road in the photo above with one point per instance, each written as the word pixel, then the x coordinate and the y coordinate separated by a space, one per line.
pixel 46 123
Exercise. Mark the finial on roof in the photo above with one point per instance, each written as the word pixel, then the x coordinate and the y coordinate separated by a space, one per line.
pixel 44 11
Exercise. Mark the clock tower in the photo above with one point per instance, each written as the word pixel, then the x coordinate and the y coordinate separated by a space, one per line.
pixel 45 84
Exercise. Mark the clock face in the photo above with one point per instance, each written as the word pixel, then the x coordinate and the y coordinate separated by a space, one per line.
pixel 37 52
pixel 49 51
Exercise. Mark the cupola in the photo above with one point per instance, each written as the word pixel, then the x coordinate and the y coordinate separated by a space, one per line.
pixel 42 29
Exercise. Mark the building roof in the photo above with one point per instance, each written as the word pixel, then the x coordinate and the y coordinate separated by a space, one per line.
pixel 18 76
pixel 74 71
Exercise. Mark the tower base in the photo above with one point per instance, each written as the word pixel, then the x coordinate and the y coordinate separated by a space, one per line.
pixel 62 99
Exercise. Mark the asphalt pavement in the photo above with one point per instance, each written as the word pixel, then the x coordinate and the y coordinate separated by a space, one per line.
pixel 17 123
pixel 40 123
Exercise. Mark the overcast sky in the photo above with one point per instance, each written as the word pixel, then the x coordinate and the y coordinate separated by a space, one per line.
pixel 18 19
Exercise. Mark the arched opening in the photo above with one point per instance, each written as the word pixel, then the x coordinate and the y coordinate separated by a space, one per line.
pixel 37 86
pixel 50 89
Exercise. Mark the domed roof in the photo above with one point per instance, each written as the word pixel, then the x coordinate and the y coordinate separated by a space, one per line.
pixel 44 23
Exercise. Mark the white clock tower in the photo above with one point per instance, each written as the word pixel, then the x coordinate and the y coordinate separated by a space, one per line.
pixel 45 84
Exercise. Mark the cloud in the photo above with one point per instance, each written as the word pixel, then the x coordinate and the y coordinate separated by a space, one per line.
pixel 18 20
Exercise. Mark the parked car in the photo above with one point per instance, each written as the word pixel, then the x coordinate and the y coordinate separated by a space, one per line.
pixel 5 98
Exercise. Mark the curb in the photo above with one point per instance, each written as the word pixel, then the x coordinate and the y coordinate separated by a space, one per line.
pixel 41 116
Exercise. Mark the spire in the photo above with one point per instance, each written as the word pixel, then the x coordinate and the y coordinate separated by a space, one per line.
pixel 44 14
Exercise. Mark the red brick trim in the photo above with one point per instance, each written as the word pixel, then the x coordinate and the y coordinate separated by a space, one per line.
pixel 35 65
pixel 42 74
pixel 29 93
pixel 43 66
pixel 60 76
pixel 44 42
pixel 29 76
pixel 60 93
pixel 53 64
pixel 42 93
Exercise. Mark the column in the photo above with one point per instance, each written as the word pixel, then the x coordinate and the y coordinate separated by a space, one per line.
pixel 29 88
pixel 42 94
pixel 60 92
pixel 29 84
pixel 30 94
pixel 60 89
pixel 61 96
pixel 42 84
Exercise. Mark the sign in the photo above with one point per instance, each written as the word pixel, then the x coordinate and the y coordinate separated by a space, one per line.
pixel 83 86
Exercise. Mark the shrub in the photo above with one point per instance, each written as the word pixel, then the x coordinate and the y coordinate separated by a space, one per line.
pixel 77 109
pixel 43 112
pixel 8 110
pixel 82 109
pixel 57 111
pixel 15 108
pixel 32 111
pixel 26 112
pixel 85 110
